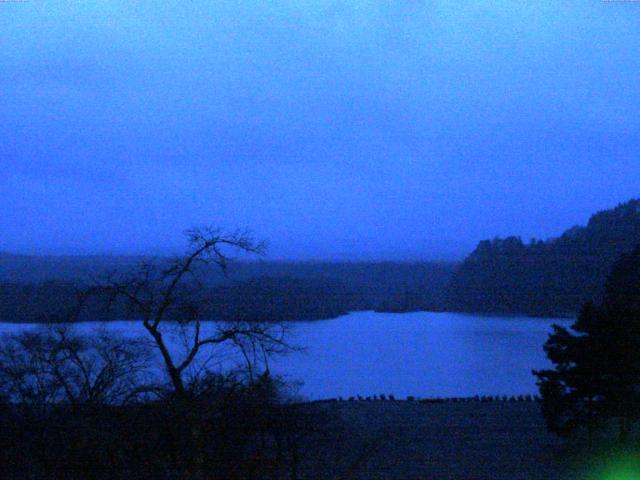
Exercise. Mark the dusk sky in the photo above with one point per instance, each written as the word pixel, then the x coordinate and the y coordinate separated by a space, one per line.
pixel 398 129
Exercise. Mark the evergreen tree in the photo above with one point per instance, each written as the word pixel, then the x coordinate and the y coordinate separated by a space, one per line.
pixel 597 362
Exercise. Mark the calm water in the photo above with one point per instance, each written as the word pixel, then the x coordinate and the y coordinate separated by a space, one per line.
pixel 421 354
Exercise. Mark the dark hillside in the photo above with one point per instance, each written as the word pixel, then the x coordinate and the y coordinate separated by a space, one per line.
pixel 36 289
pixel 551 277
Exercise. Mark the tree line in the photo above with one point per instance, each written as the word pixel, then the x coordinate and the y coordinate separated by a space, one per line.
pixel 266 291
pixel 547 278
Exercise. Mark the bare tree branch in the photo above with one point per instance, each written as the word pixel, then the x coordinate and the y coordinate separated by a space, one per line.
pixel 176 290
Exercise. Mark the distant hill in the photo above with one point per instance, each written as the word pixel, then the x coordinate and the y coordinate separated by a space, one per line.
pixel 502 276
pixel 37 289
pixel 553 277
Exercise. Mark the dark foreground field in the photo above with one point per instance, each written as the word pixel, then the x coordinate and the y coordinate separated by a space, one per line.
pixel 412 440
pixel 471 440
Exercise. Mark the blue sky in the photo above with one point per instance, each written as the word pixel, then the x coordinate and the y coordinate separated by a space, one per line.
pixel 401 129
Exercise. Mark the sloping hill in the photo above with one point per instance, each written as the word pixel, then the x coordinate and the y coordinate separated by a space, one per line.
pixel 554 277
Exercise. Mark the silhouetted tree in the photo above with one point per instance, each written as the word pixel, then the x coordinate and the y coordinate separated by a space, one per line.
pixel 157 292
pixel 58 365
pixel 597 364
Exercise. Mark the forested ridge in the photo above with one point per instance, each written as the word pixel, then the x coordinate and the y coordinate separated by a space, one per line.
pixel 548 278
pixel 502 276
pixel 44 289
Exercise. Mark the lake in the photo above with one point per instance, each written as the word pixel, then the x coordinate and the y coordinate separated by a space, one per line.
pixel 424 354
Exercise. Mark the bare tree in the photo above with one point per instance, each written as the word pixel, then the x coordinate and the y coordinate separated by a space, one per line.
pixel 160 291
pixel 58 365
